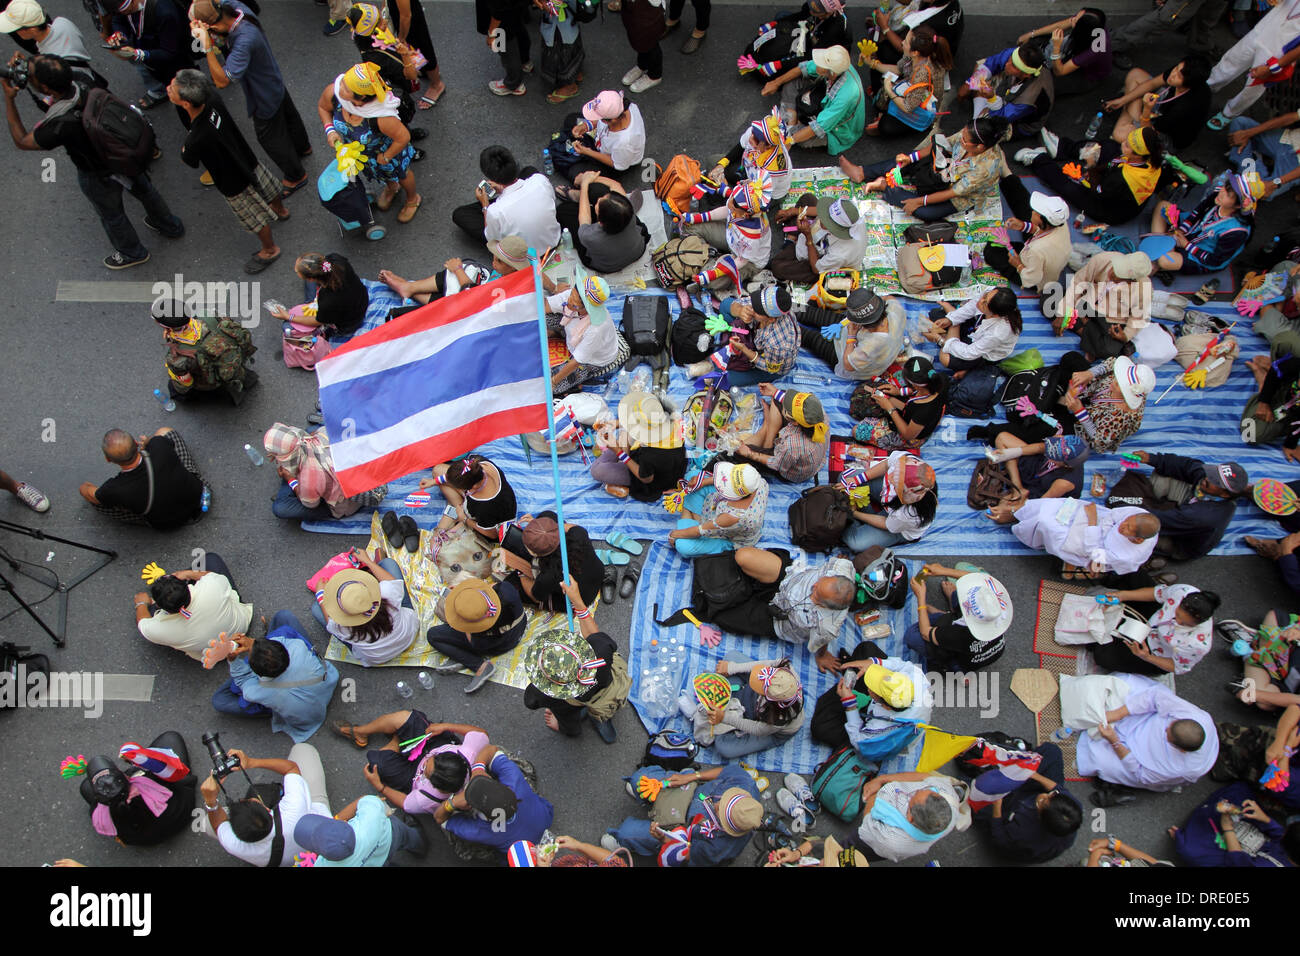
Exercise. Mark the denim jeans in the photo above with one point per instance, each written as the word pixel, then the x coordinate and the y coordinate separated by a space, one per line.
pixel 105 193
pixel 751 377
pixel 567 28
pixel 287 505
pixel 1271 157
pixel 408 838
pixel 859 536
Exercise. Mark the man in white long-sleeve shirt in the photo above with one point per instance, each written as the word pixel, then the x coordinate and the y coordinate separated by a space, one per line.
pixel 1087 536
pixel 523 207
pixel 1155 741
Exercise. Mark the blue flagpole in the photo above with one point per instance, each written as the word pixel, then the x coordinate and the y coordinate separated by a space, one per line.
pixel 550 419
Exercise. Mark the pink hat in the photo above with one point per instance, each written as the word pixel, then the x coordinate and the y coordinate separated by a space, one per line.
pixel 606 105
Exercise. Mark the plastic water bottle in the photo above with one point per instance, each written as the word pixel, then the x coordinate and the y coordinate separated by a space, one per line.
pixel 425 679
pixel 624 381
pixel 404 690
pixel 1080 219
pixel 566 241
pixel 641 379
pixel 1062 734
pixel 548 164
pixel 205 500
pixel 253 454
pixel 1094 127
pixel 166 401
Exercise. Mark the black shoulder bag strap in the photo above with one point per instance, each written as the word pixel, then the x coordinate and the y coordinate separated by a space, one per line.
pixel 277 840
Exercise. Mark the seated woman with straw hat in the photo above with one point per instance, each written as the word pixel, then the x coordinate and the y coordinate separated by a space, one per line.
pixel 482 621
pixel 572 676
pixel 368 609
pixel 728 518
pixel 641 453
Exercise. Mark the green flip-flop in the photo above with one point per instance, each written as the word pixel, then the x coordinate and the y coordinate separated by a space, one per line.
pixel 616 558
pixel 619 540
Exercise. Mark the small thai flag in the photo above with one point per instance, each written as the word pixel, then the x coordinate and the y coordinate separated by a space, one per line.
pixel 417 499
pixel 158 761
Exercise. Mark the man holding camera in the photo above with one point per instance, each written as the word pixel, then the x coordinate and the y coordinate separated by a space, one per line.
pixel 247 828
pixel 62 126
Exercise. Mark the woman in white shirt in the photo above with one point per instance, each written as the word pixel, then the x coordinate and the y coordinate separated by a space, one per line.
pixel 595 346
pixel 368 609
pixel 994 326
pixel 904 500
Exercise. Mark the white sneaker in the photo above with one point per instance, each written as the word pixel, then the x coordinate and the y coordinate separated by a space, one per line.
pixel 632 75
pixel 644 83
pixel 1051 141
pixel 32 498
pixel 791 805
pixel 608 842
pixel 798 786
pixel 1026 157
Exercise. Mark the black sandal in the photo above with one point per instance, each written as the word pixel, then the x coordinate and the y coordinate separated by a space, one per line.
pixel 1206 292
pixel 609 587
pixel 392 532
pixel 410 533
pixel 627 587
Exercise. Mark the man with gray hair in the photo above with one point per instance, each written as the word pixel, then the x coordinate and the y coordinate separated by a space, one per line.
pixel 215 142
pixel 904 814
pixel 158 483
pixel 810 604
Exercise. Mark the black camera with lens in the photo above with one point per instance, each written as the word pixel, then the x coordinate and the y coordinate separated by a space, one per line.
pixel 223 765
pixel 15 73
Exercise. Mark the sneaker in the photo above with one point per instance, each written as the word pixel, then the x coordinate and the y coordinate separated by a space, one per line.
pixel 792 807
pixel 644 82
pixel 1051 141
pixel 482 677
pixel 1026 157
pixel 798 786
pixel 333 27
pixel 608 842
pixel 119 261
pixel 632 75
pixel 500 89
pixel 169 233
pixel 32 498
pixel 451 667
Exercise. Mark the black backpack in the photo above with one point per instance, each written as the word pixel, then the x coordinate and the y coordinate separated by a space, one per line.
pixel 645 323
pixel 819 517
pixel 1038 385
pixel 118 132
pixel 671 750
pixel 12 656
pixel 691 341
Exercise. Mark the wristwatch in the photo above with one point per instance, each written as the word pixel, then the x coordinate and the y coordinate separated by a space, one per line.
pixel 1277 180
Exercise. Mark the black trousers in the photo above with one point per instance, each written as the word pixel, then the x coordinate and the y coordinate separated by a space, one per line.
pixel 1116 656
pixel 820 346
pixel 568 716
pixel 703 12
pixel 284 137
pixel 652 62
pixel 999 260
pixel 828 720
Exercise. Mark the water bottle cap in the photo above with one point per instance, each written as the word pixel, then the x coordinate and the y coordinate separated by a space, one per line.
pixel 1241 647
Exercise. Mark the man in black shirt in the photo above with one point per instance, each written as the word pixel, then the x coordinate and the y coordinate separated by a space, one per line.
pixel 61 126
pixel 215 142
pixel 159 482
pixel 973 634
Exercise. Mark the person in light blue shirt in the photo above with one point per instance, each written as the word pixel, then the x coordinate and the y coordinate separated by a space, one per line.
pixel 279 675
pixel 363 834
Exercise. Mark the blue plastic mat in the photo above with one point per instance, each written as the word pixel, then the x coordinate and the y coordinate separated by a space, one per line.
pixel 679 655
pixel 1202 423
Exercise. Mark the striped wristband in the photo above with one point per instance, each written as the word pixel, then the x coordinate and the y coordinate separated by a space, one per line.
pixel 583 615
pixel 477 765
pixel 623 456
pixel 293 484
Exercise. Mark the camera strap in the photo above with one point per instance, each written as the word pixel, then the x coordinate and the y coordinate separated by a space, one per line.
pixel 277 839
pixel 148 470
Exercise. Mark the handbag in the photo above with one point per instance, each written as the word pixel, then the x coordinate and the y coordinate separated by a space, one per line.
pixel 921 118
pixel 1084 620
pixel 304 345
pixel 809 102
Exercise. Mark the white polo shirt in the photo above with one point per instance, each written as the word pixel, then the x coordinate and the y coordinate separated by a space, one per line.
pixel 525 208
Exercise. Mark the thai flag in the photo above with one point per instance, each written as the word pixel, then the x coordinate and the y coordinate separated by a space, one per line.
pixel 162 762
pixel 435 383
pixel 1007 771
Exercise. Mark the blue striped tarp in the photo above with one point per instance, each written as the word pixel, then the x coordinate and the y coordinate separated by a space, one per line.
pixel 1201 423
pixel 678 656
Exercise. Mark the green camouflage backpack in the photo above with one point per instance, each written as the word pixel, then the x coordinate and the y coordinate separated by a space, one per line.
pixel 223 351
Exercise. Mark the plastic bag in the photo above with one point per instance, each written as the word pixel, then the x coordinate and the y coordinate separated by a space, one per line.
pixel 658 693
